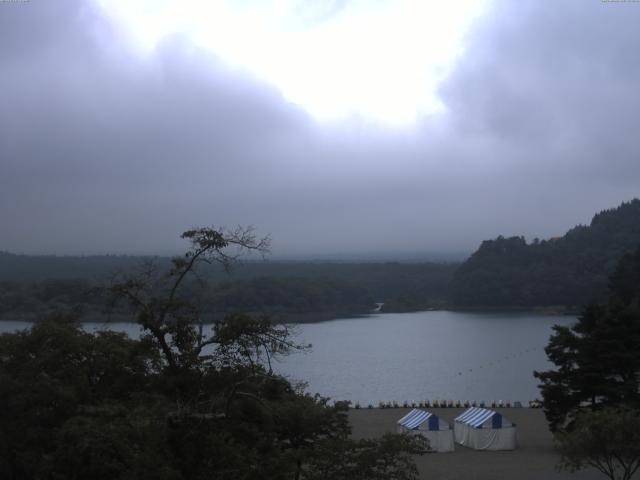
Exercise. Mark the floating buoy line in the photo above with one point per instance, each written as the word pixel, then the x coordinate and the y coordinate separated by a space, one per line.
pixel 500 361
pixel 447 404
pixel 536 403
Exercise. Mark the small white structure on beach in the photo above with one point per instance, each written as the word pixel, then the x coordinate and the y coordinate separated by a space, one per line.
pixel 436 430
pixel 483 429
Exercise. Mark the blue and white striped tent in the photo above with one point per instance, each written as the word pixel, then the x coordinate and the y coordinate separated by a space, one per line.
pixel 484 429
pixel 436 430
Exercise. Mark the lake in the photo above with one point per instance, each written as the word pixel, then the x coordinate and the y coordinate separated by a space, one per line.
pixel 435 355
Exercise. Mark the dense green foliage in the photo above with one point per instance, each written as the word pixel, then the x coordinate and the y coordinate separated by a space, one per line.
pixel 59 385
pixel 598 358
pixel 567 271
pixel 327 289
pixel 35 268
pixel 31 300
pixel 283 297
pixel 75 405
pixel 506 272
pixel 608 440
pixel 289 295
pixel 183 402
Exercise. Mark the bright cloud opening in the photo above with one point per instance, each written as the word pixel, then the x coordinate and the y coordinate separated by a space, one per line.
pixel 379 59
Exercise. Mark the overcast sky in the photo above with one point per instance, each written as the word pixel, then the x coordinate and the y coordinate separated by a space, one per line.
pixel 522 119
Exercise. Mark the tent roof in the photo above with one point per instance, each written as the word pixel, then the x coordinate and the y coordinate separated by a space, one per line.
pixel 414 418
pixel 475 416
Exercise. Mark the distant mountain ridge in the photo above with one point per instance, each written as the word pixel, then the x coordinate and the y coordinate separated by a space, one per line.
pixel 15 267
pixel 567 271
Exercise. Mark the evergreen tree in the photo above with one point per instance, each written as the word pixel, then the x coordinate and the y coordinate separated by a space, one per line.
pixel 598 358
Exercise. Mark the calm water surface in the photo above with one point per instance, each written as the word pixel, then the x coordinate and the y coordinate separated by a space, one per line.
pixel 414 356
pixel 425 355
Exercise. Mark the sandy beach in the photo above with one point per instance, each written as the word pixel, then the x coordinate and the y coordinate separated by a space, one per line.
pixel 534 459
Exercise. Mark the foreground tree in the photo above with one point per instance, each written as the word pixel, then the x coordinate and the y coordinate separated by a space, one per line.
pixel 597 359
pixel 163 302
pixel 608 440
pixel 67 395
pixel 183 402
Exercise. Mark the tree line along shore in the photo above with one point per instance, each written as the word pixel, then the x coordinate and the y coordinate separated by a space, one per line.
pixel 556 275
pixel 183 402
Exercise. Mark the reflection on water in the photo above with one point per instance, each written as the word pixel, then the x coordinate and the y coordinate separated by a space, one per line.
pixel 436 355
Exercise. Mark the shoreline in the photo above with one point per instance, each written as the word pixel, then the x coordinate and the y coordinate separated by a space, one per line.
pixel 535 458
pixel 308 317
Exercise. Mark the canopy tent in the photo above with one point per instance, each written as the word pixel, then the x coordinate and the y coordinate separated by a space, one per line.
pixel 436 430
pixel 483 429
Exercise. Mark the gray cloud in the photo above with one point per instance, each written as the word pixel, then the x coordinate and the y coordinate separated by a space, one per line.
pixel 105 151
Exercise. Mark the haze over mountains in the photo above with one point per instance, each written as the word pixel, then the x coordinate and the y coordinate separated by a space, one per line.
pixel 414 171
pixel 508 272
pixel 108 149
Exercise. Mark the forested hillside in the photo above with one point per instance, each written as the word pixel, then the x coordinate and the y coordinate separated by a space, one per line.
pixel 32 286
pixel 33 268
pixel 568 271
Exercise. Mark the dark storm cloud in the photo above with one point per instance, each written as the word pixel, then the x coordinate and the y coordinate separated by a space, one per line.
pixel 103 150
